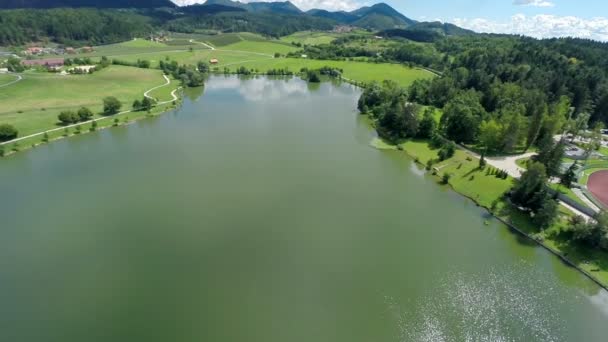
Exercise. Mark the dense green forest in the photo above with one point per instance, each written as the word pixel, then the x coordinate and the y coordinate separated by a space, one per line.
pixel 71 26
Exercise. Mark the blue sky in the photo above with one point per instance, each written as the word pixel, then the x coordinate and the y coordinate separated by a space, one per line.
pixel 537 18
pixel 499 9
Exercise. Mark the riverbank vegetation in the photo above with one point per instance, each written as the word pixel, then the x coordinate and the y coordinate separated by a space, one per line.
pixel 527 203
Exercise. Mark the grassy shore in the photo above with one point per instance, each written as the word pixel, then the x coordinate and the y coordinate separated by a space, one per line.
pixel 487 191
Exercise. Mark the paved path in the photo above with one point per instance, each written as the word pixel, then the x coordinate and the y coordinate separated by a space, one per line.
pixel 579 193
pixel 173 95
pixel 168 81
pixel 19 78
pixel 509 164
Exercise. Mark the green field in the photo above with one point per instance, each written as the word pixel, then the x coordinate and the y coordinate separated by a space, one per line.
pixel 33 104
pixel 310 38
pixel 6 79
pixel 358 71
pixel 261 47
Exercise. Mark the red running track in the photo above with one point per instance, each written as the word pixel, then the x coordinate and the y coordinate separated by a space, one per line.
pixel 598 185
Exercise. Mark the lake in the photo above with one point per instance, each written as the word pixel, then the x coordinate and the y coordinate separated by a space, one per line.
pixel 259 212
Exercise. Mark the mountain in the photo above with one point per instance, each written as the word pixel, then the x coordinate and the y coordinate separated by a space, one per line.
pixel 427 32
pixel 340 16
pixel 10 4
pixel 275 7
pixel 379 17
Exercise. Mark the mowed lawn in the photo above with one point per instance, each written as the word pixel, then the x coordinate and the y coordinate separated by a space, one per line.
pixel 33 104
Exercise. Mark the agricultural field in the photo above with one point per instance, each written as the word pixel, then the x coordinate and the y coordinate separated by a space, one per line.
pixel 359 71
pixel 269 47
pixel 310 38
pixel 33 104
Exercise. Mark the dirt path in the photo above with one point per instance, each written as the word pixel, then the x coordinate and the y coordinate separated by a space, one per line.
pixel 19 78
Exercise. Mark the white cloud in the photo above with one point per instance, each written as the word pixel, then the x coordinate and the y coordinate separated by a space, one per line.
pixel 333 5
pixel 534 3
pixel 541 26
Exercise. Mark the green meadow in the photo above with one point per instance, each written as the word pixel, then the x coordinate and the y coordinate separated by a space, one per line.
pixel 33 104
pixel 310 38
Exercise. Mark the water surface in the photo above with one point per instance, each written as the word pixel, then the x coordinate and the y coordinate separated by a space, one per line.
pixel 259 212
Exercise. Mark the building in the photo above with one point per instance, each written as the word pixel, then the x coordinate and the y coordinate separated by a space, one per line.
pixel 70 50
pixel 3 70
pixel 33 50
pixel 50 63
pixel 87 49
pixel 214 61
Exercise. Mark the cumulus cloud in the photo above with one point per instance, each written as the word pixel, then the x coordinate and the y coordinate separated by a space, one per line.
pixel 541 26
pixel 332 5
pixel 534 3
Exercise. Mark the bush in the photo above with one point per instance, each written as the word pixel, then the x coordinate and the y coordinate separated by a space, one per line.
pixel 8 132
pixel 68 117
pixel 85 114
pixel 111 105
pixel 446 178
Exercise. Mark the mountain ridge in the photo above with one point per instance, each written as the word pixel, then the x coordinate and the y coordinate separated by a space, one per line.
pixel 47 4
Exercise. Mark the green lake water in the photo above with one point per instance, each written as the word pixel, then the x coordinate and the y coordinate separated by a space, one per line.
pixel 259 212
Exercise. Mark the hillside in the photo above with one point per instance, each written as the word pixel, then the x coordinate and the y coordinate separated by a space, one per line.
pixel 276 7
pixel 379 17
pixel 427 32
pixel 11 4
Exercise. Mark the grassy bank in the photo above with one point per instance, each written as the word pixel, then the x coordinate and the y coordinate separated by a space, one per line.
pixel 487 191
pixel 86 128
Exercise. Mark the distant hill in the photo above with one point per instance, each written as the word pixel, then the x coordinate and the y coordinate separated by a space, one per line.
pixel 340 16
pixel 12 4
pixel 427 32
pixel 378 17
pixel 277 7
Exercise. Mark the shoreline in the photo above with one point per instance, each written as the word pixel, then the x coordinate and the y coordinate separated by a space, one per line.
pixel 377 143
pixel 58 134
pixel 502 220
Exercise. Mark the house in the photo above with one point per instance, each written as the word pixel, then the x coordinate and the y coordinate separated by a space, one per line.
pixel 214 61
pixel 33 50
pixel 70 50
pixel 3 70
pixel 50 63
pixel 87 49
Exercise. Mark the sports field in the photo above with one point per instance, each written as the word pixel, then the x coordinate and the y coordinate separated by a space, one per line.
pixel 598 186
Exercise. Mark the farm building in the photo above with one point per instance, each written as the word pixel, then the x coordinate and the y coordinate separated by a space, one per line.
pixel 214 61
pixel 87 49
pixel 51 63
